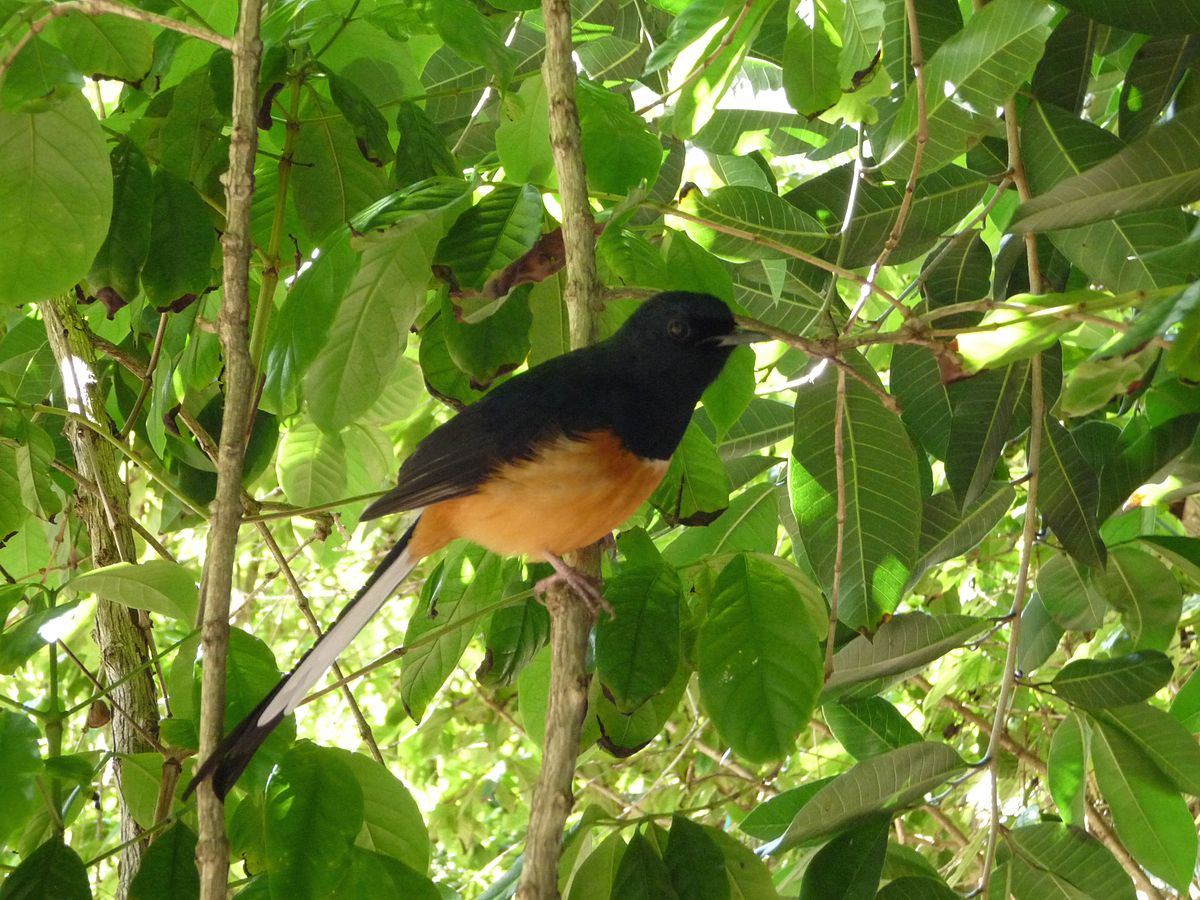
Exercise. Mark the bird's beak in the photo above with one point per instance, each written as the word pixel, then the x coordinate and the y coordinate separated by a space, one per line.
pixel 740 336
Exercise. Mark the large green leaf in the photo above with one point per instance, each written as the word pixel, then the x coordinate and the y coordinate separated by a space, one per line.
pixel 776 293
pixel 1068 594
pixel 371 325
pixel 56 189
pixel 849 866
pixel 940 201
pixel 882 496
pixel 695 862
pixel 771 818
pixel 1145 593
pixel 759 662
pixel 1153 75
pixel 157 585
pixel 1103 683
pixel 750 524
pixel 618 151
pixel 869 727
pixel 901 646
pixel 884 783
pixel 753 215
pixel 1066 766
pixel 20 764
pixel 468 578
pixel 1148 17
pixel 1160 169
pixel 861 31
pixel 1065 69
pixel 642 875
pixel 1162 739
pixel 810 76
pixel 311 466
pixel 392 822
pixel 53 870
pixel 1068 494
pixel 1058 146
pixel 313 801
pixel 946 532
pixel 168 870
pixel 695 489
pixel 120 258
pixel 1151 818
pixel 637 650
pixel 972 74
pixel 1141 453
pixel 494 232
pixel 182 241
pixel 916 381
pixel 1052 860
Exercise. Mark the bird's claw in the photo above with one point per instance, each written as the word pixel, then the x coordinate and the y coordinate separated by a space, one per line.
pixel 586 587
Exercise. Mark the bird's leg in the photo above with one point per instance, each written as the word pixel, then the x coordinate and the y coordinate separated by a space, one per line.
pixel 608 544
pixel 587 588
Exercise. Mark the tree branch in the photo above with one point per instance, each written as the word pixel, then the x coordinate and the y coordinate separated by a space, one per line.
pixel 571 618
pixel 212 850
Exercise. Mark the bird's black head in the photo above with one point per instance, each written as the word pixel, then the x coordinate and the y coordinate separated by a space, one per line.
pixel 673 347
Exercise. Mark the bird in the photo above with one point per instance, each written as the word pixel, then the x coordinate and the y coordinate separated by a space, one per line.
pixel 547 462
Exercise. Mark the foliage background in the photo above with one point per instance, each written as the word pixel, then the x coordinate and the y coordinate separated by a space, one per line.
pixel 406 260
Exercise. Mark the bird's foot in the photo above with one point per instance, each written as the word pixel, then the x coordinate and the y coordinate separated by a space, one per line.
pixel 608 544
pixel 586 587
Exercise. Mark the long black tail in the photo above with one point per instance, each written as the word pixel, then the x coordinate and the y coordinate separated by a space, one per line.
pixel 230 758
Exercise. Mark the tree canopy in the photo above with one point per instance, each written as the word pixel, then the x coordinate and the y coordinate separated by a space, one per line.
pixel 913 611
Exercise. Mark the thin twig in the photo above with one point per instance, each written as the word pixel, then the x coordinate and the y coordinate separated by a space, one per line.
pixel 839 463
pixel 1016 166
pixel 1008 679
pixel 150 739
pixel 148 381
pixel 110 8
pixel 212 850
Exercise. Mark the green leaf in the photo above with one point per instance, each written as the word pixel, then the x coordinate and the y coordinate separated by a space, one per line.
pixel 299 330
pixel 1058 146
pixel 695 489
pixel 51 872
pixel 1149 17
pixel 56 188
pixel 694 862
pixel 751 523
pixel 849 866
pixel 496 231
pixel 1145 593
pixel 523 138
pixel 1161 169
pixel 1039 636
pixel 313 801
pixel 120 257
pixel 637 650
pixel 759 663
pixel 368 875
pixel 22 639
pixel 422 152
pixel 963 274
pixel 469 578
pixel 916 382
pixel 182 242
pixel 1067 769
pixel 370 128
pixel 642 875
pixel 1030 333
pixel 20 764
pixel 884 783
pixel 1069 856
pixel 940 201
pixel 331 181
pixel 946 533
pixel 1151 80
pixel 195 147
pixel 470 34
pixel 157 585
pixel 1065 68
pixel 311 466
pixel 883 504
pixel 1140 455
pixel 862 29
pixel 788 302
pixel 915 887
pixel 983 65
pixel 869 727
pixel 112 47
pixel 901 646
pixel 758 215
pixel 1102 683
pixel 1069 493
pixel 618 151
pixel 749 878
pixel 1151 819
pixel 1162 740
pixel 38 78
pixel 392 822
pixel 168 870
pixel 770 819
pixel 385 295
pixel 593 879
pixel 485 350
pixel 1066 589
pixel 727 398
pixel 514 635
pixel 810 70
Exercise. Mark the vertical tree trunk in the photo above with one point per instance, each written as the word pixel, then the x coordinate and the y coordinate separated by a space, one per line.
pixel 119 632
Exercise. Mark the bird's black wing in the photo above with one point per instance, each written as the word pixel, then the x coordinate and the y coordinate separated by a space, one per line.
pixel 562 396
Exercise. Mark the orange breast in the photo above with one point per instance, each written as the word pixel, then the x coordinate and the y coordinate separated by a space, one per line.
pixel 574 492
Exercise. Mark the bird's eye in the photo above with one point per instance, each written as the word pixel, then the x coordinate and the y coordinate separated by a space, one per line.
pixel 678 329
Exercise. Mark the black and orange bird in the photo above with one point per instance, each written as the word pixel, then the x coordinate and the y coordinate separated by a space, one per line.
pixel 550 461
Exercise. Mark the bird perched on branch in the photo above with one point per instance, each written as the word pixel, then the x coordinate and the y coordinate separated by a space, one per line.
pixel 550 461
